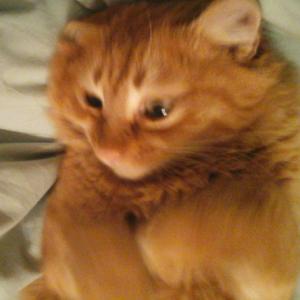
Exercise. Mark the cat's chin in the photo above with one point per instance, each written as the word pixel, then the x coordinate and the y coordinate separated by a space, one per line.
pixel 126 170
pixel 120 166
pixel 130 174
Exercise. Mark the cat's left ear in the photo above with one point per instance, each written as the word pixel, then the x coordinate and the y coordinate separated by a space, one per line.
pixel 78 31
pixel 75 35
pixel 232 23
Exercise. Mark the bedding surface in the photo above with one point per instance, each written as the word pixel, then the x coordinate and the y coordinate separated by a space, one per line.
pixel 28 154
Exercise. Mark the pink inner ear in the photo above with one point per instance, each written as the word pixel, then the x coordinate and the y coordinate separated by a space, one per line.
pixel 232 22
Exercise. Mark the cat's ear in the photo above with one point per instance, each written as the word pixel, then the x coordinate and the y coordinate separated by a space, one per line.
pixel 233 23
pixel 77 31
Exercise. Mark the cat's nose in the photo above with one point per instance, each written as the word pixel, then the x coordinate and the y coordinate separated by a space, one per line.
pixel 109 157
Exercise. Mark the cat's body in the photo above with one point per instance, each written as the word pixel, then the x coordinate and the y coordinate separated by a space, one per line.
pixel 192 198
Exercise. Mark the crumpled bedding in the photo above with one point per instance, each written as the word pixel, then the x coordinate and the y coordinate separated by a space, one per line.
pixel 28 153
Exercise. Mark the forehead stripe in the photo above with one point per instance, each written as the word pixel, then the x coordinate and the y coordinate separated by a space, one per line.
pixel 133 102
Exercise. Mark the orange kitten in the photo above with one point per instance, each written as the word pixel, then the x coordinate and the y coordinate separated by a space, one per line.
pixel 180 175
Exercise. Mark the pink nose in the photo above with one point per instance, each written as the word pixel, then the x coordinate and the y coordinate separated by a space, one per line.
pixel 109 157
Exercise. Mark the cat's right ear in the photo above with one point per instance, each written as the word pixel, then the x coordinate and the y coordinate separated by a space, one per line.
pixel 235 24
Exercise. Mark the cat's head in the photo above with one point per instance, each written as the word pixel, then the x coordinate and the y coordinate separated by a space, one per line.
pixel 150 84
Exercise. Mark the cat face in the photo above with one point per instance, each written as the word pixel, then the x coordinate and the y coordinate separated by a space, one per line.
pixel 146 91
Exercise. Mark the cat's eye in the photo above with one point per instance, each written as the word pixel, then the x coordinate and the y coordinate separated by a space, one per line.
pixel 156 111
pixel 93 101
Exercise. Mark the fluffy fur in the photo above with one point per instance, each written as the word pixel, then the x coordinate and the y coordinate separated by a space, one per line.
pixel 199 205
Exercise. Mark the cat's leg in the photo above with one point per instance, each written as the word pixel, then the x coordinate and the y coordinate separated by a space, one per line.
pixel 235 282
pixel 93 259
pixel 249 254
pixel 37 290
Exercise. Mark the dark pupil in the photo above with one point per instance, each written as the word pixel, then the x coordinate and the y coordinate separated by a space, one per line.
pixel 94 101
pixel 157 112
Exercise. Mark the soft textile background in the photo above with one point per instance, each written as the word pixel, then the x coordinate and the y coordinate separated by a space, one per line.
pixel 28 155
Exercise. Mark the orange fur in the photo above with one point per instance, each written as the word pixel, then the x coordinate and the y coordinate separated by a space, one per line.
pixel 201 205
